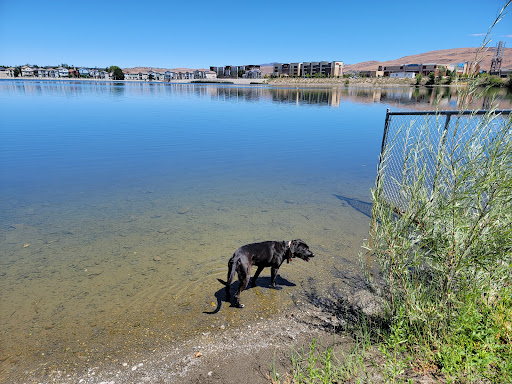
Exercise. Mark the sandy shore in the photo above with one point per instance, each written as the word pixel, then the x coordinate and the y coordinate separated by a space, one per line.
pixel 250 353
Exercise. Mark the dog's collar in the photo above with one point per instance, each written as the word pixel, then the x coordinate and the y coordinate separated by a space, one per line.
pixel 288 245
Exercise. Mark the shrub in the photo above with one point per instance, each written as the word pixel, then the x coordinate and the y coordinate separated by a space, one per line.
pixel 491 81
pixel 446 258
pixel 431 79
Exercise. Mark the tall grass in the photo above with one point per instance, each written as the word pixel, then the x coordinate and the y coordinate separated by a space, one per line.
pixel 446 257
pixel 446 253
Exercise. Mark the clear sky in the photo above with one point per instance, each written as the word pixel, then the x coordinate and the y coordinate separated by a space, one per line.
pixel 197 34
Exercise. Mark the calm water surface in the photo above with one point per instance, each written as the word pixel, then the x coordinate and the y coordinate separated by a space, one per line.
pixel 122 203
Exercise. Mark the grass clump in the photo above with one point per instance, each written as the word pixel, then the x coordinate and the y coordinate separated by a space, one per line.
pixel 320 364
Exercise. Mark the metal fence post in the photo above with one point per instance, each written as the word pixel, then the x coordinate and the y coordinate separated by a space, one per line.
pixel 383 145
pixel 442 144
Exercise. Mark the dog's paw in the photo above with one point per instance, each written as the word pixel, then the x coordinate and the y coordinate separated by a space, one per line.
pixel 239 305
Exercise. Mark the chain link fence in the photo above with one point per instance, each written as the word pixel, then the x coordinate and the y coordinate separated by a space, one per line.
pixel 409 136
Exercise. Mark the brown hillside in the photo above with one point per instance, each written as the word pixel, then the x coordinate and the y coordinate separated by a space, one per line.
pixel 444 56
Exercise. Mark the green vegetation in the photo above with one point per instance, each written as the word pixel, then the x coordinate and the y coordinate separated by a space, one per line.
pixel 117 73
pixel 446 261
pixel 419 77
pixel 319 364
pixel 431 79
pixel 16 72
pixel 486 80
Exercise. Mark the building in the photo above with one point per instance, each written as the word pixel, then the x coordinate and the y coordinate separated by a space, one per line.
pixel 308 69
pixel 41 72
pixel 253 74
pixel 403 75
pixel 233 71
pixel 210 75
pixel 94 73
pixel 131 76
pixel 52 72
pixel 287 69
pixel 84 72
pixel 62 72
pixel 423 69
pixel 219 71
pixel 370 73
pixel 27 71
pixel 104 75
pixel 323 68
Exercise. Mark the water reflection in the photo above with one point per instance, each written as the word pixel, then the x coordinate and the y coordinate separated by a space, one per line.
pixel 420 98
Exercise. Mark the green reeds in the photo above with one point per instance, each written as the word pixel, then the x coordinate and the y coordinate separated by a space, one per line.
pixel 446 257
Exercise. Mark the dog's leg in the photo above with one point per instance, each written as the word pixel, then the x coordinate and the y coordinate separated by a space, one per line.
pixel 256 275
pixel 231 273
pixel 243 280
pixel 273 275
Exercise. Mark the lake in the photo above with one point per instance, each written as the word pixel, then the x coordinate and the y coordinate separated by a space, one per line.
pixel 121 204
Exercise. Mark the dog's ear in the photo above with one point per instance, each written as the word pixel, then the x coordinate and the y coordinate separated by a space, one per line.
pixel 295 244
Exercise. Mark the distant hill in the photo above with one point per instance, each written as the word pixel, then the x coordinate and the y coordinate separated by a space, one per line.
pixel 444 56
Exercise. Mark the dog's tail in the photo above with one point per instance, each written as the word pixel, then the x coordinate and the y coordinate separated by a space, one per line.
pixel 232 266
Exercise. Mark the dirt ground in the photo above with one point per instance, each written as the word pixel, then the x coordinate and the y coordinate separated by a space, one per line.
pixel 247 354
pixel 251 353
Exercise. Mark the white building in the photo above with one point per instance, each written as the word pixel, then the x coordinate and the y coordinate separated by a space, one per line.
pixel 62 72
pixel 403 75
pixel 27 71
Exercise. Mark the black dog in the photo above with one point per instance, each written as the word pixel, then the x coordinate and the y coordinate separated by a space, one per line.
pixel 266 254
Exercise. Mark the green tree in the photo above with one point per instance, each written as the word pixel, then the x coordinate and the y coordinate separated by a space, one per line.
pixel 117 73
pixel 419 77
pixel 431 79
pixel 16 72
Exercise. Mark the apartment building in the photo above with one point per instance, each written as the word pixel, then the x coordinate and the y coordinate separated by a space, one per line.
pixel 234 71
pixel 323 68
pixel 424 69
pixel 287 69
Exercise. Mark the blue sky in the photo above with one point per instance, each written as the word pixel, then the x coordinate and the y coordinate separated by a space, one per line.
pixel 197 34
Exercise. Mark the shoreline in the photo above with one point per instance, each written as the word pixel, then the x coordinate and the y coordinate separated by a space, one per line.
pixel 190 81
pixel 272 82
